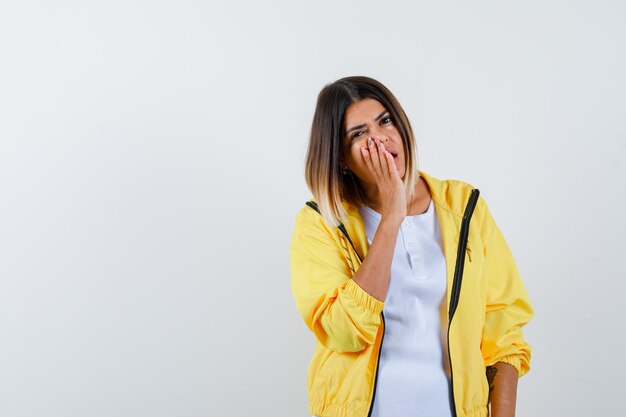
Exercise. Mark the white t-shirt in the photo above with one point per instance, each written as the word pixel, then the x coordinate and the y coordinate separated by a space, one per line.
pixel 413 372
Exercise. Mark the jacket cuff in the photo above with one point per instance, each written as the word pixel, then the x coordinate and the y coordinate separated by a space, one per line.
pixel 363 298
pixel 516 361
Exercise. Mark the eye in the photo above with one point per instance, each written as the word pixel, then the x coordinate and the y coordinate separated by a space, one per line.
pixel 356 134
pixel 386 119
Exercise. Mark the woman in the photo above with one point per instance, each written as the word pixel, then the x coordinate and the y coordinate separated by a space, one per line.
pixel 405 280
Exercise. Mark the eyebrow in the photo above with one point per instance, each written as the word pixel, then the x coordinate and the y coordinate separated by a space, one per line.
pixel 363 125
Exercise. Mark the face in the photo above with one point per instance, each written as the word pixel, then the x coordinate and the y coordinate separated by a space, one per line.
pixel 364 119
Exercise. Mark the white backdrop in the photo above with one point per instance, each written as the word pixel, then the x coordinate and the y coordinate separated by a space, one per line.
pixel 151 166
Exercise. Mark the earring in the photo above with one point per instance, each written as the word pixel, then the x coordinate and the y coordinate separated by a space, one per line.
pixel 345 171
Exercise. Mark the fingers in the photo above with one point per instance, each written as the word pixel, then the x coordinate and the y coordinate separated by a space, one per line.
pixel 375 155
pixel 391 165
pixel 386 160
pixel 378 160
pixel 367 156
pixel 383 160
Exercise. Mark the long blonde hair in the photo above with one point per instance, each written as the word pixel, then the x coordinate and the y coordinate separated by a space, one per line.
pixel 325 151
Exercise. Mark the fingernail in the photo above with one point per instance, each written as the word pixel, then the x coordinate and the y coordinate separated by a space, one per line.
pixel 369 141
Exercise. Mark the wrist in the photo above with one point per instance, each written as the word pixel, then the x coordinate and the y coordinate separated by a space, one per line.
pixel 391 221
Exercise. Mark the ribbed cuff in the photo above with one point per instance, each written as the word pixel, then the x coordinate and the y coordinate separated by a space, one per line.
pixel 516 362
pixel 364 298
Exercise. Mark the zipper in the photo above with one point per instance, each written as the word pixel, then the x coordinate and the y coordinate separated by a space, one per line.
pixel 454 297
pixel 343 230
pixel 377 363
pixel 458 277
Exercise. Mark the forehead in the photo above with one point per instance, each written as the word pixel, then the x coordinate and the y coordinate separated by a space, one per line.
pixel 363 111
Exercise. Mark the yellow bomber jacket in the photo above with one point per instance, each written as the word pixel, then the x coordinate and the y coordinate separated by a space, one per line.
pixel 348 323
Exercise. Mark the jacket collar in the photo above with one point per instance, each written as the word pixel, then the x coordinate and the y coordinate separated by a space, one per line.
pixel 449 197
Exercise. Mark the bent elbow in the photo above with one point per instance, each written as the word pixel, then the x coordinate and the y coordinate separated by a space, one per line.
pixel 341 342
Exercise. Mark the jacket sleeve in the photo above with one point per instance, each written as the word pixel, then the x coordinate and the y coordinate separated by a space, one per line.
pixel 508 307
pixel 343 316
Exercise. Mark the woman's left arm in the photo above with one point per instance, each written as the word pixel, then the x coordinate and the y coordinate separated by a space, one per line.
pixel 505 351
pixel 502 379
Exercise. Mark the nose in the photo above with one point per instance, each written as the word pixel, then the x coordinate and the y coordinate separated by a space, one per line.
pixel 377 133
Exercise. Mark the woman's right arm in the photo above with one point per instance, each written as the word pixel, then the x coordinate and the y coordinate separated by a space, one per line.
pixel 340 309
pixel 373 275
pixel 343 311
pixel 342 315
